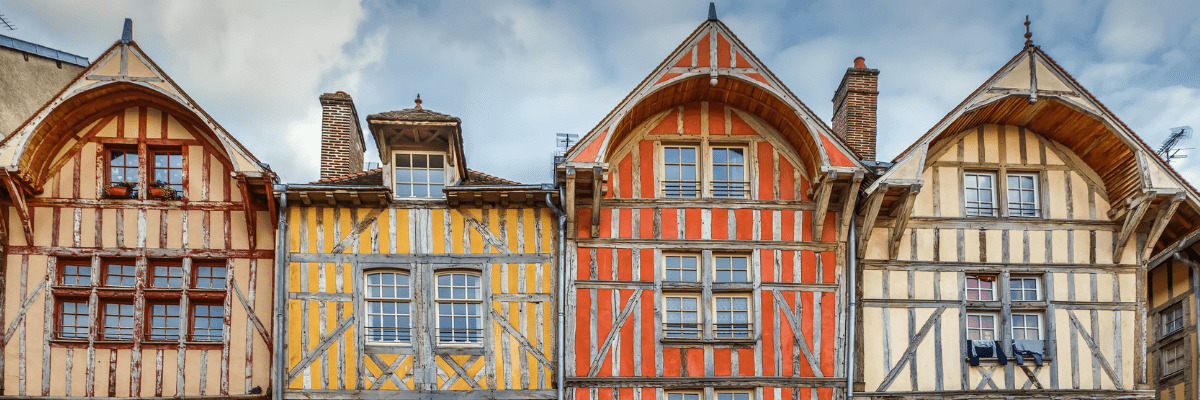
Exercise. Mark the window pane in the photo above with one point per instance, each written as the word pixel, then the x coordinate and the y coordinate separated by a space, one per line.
pixel 73 317
pixel 208 320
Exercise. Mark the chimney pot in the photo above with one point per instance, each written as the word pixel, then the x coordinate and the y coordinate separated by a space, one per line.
pixel 860 63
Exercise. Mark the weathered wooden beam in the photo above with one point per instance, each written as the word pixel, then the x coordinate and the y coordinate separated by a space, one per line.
pixel 18 198
pixel 874 201
pixel 849 200
pixel 569 202
pixel 902 215
pixel 1161 221
pixel 599 357
pixel 1132 220
pixel 911 351
pixel 822 207
pixel 320 348
pixel 597 194
pixel 713 244
pixel 1096 353
pixel 248 203
pixel 794 323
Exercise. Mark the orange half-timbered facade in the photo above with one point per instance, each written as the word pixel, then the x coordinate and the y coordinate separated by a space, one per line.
pixel 704 217
pixel 138 245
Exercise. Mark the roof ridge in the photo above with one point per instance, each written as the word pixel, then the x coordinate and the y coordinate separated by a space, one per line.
pixel 490 176
pixel 348 176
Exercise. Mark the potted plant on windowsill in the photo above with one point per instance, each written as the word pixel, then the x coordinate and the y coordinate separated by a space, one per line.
pixel 120 190
pixel 162 191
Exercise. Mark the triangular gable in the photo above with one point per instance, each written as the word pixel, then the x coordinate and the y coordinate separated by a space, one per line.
pixel 126 63
pixel 711 50
pixel 1034 77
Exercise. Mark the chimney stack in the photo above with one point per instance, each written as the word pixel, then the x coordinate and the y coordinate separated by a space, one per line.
pixel 854 106
pixel 342 142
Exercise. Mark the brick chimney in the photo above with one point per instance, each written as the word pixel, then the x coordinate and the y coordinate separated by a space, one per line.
pixel 341 138
pixel 854 106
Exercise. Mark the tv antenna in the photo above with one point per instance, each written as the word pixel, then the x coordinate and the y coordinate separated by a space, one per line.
pixel 563 141
pixel 6 24
pixel 1169 150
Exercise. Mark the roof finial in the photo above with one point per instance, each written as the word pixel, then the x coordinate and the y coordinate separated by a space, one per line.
pixel 127 33
pixel 1028 34
pixel 712 11
pixel 418 101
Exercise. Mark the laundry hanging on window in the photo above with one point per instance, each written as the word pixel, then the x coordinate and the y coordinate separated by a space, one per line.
pixel 977 349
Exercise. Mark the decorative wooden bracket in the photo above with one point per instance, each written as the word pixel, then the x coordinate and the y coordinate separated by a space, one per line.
pixel 1160 222
pixel 569 202
pixel 826 186
pixel 901 220
pixel 1133 218
pixel 248 203
pixel 848 203
pixel 271 207
pixel 874 200
pixel 597 194
pixel 17 194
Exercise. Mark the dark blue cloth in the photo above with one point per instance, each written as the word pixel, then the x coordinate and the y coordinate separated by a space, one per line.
pixel 1028 348
pixel 977 349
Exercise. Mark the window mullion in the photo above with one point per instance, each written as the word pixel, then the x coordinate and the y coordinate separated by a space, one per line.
pixel 708 315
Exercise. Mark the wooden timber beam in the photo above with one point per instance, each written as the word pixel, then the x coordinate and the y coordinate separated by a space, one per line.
pixel 1132 219
pixel 597 193
pixel 248 203
pixel 271 208
pixel 569 203
pixel 901 221
pixel 873 202
pixel 848 203
pixel 1160 223
pixel 826 186
pixel 18 200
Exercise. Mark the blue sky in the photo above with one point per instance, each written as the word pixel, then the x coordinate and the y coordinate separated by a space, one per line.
pixel 518 72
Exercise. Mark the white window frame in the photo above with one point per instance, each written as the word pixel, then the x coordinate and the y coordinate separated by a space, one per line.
pixel 679 193
pixel 1040 328
pixel 474 336
pixel 977 210
pixel 1036 211
pixel 446 178
pixel 378 338
pixel 685 395
pixel 717 268
pixel 1167 317
pixel 967 290
pixel 1037 287
pixel 728 192
pixel 995 325
pixel 668 268
pixel 677 333
pixel 733 334
pixel 733 394
pixel 1173 357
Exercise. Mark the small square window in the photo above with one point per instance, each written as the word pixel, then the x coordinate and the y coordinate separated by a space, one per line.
pixel 732 269
pixel 981 288
pixel 1025 289
pixel 74 320
pixel 981 326
pixel 1172 319
pixel 1027 326
pixel 123 166
pixel 209 277
pixel 164 322
pixel 419 175
pixel 1174 358
pixel 77 274
pixel 1023 195
pixel 683 396
pixel 733 318
pixel 168 169
pixel 979 191
pixel 167 276
pixel 208 322
pixel 735 395
pixel 682 317
pixel 729 173
pixel 118 321
pixel 122 274
pixel 681 269
pixel 679 172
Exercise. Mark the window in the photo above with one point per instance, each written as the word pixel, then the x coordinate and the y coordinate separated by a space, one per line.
pixel 74 322
pixel 167 276
pixel 1172 319
pixel 683 396
pixel 734 395
pixel 419 175
pixel 981 288
pixel 729 173
pixel 681 269
pixel 1027 326
pixel 1024 289
pixel 979 189
pixel 164 322
pixel 77 274
pixel 682 317
pixel 459 299
pixel 209 277
pixel 170 295
pixel 118 321
pixel 1173 358
pixel 732 269
pixel 123 166
pixel 120 274
pixel 388 314
pixel 168 168
pixel 1022 195
pixel 208 322
pixel 981 326
pixel 733 318
pixel 679 172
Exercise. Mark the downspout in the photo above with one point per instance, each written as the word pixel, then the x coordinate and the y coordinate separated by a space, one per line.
pixel 281 257
pixel 562 285
pixel 852 256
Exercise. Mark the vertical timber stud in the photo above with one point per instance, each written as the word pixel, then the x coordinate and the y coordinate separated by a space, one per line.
pixel 597 194
pixel 569 203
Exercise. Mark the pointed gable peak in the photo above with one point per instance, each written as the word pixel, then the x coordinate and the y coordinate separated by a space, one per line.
pixel 712 11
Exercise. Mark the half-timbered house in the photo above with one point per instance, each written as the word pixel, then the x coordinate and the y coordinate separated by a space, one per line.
pixel 706 222
pixel 1004 253
pixel 138 244
pixel 418 280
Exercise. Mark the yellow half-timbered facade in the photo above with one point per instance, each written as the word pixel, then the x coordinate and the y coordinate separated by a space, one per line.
pixel 441 283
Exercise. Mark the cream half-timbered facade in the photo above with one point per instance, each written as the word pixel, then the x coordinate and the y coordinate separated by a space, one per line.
pixel 138 245
pixel 405 291
pixel 706 218
pixel 1022 221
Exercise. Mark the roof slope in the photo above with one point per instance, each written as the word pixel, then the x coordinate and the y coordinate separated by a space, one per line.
pixel 29 82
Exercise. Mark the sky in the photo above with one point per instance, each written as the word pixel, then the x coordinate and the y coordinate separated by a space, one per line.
pixel 517 72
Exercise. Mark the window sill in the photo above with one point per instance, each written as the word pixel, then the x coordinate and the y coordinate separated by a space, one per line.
pixel 995 361
pixel 674 341
pixel 128 344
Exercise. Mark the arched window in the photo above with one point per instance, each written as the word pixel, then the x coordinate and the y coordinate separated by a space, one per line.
pixel 459 306
pixel 388 298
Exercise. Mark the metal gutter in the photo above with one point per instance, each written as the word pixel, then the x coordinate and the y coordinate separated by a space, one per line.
pixel 561 306
pixel 281 257
pixel 852 256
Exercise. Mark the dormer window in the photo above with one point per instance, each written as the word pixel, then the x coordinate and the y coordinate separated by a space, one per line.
pixel 419 175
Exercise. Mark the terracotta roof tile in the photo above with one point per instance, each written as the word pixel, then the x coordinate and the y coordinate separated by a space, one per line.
pixel 369 177
pixel 413 114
